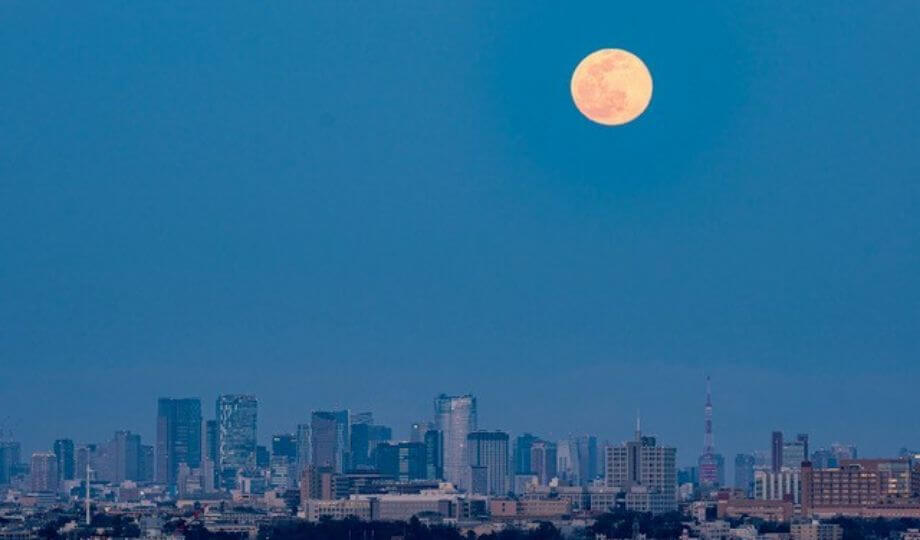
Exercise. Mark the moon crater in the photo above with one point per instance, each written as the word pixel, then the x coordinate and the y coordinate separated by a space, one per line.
pixel 611 86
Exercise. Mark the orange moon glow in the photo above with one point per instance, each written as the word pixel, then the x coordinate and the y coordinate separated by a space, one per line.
pixel 611 86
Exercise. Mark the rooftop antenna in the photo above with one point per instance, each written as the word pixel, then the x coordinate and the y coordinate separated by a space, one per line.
pixel 638 426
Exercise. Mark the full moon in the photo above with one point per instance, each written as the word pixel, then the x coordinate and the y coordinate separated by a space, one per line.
pixel 611 86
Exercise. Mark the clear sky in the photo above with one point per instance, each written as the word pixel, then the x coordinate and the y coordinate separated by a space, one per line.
pixel 355 204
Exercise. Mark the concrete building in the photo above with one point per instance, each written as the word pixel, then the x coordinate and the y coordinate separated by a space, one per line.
pixel 43 472
pixel 455 418
pixel 784 485
pixel 489 450
pixel 815 530
pixel 860 487
pixel 647 471
pixel 511 509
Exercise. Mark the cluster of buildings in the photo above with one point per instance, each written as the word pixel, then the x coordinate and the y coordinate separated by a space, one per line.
pixel 340 463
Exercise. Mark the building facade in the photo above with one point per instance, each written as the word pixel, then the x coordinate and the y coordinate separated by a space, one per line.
pixel 489 450
pixel 455 418
pixel 237 417
pixel 178 437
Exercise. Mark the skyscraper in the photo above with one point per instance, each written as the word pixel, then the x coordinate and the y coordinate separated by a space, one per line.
pixel 304 447
pixel 776 451
pixel 236 420
pixel 489 450
pixel 343 440
pixel 711 464
pixel 323 431
pixel 364 439
pixel 586 456
pixel 178 437
pixel 434 455
pixel 543 460
pixel 64 451
pixel 793 455
pixel 124 454
pixel 455 418
pixel 211 438
pixel 10 452
pixel 403 461
pixel 744 473
pixel 44 473
pixel 522 446
pixel 146 464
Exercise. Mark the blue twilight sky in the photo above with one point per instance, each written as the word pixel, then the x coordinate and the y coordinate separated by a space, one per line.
pixel 364 204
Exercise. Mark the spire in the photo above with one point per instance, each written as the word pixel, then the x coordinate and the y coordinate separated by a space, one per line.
pixel 638 426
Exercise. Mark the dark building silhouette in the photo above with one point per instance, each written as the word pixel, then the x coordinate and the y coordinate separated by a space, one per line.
pixel 66 462
pixel 522 447
pixel 178 437
pixel 403 461
pixel 776 451
pixel 434 455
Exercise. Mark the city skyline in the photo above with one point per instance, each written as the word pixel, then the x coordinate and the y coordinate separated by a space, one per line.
pixel 326 207
pixel 688 457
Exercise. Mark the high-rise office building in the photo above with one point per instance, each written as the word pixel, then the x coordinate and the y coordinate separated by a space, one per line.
pixel 64 451
pixel 795 452
pixel 776 451
pixel 86 456
pixel 802 439
pixel 711 464
pixel 343 440
pixel 236 447
pixel 178 437
pixel 587 458
pixel 364 439
pixel 522 446
pixel 649 468
pixel 455 418
pixel 403 461
pixel 43 472
pixel 304 447
pixel 124 451
pixel 543 461
pixel 10 455
pixel 324 439
pixel 744 473
pixel 211 439
pixel 488 450
pixel 146 462
pixel 434 455
pixel 566 462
